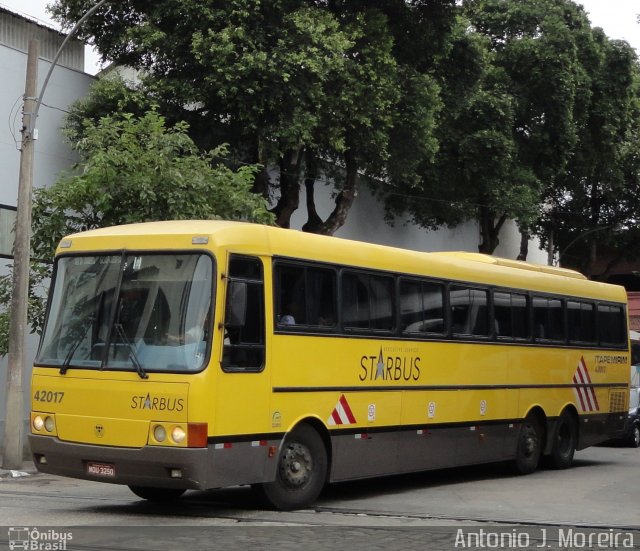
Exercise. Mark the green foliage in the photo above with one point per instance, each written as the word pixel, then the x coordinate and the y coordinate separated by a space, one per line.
pixel 40 273
pixel 595 204
pixel 136 169
pixel 509 125
pixel 285 80
pixel 454 110
pixel 108 95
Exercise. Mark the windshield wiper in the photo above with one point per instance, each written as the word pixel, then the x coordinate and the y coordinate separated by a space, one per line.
pixel 75 345
pixel 132 351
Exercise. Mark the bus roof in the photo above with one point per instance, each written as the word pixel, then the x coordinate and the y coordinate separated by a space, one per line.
pixel 263 240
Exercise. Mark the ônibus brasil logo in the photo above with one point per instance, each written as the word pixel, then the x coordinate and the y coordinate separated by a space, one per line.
pixel 38 540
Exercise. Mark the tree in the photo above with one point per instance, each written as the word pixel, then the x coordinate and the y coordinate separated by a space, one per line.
pixel 132 169
pixel 299 85
pixel 594 205
pixel 508 129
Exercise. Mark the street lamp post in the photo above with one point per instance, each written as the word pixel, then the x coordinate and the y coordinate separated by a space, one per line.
pixel 14 430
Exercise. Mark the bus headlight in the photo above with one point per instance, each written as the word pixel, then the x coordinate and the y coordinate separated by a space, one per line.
pixel 38 423
pixel 49 424
pixel 178 435
pixel 159 433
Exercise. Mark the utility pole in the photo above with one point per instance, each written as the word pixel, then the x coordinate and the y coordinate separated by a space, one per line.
pixel 13 433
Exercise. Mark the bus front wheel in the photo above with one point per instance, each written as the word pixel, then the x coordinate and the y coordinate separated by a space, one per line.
pixel 301 472
pixel 157 494
pixel 529 446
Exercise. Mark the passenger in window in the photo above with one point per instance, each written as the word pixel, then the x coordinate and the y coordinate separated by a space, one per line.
pixel 287 317
pixel 326 320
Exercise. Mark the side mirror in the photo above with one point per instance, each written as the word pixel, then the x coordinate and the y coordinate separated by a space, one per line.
pixel 236 307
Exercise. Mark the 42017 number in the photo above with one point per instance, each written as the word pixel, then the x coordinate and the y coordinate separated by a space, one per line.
pixel 48 396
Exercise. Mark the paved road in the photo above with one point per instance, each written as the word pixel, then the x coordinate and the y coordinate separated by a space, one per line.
pixel 601 492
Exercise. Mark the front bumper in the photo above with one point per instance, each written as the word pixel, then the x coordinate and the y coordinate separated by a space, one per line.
pixel 216 466
pixel 146 466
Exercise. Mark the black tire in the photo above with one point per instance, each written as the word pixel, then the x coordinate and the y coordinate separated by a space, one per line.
pixel 157 494
pixel 529 447
pixel 301 473
pixel 565 442
pixel 634 436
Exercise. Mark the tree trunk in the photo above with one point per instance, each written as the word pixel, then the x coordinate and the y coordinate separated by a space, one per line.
pixel 524 245
pixel 590 264
pixel 289 200
pixel 261 181
pixel 345 198
pixel 314 221
pixel 489 230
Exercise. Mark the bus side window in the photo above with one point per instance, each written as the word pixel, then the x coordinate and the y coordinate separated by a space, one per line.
pixel 469 312
pixel 421 307
pixel 291 295
pixel 367 301
pixel 510 315
pixel 244 344
pixel 612 329
pixel 581 322
pixel 305 295
pixel 548 318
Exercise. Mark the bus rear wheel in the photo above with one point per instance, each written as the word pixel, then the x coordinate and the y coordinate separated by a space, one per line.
pixel 564 443
pixel 634 436
pixel 529 447
pixel 301 472
pixel 157 494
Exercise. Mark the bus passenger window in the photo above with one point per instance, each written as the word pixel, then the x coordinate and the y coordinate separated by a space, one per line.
pixel 421 307
pixel 291 293
pixel 548 319
pixel 367 301
pixel 321 297
pixel 581 322
pixel 611 325
pixel 510 315
pixel 305 296
pixel 469 312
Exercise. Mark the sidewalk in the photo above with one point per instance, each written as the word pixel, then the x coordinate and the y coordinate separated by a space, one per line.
pixel 27 469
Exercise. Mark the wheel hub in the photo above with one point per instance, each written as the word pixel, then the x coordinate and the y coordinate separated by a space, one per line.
pixel 296 465
pixel 530 441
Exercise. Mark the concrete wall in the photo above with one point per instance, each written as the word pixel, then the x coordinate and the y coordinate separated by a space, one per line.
pixel 366 223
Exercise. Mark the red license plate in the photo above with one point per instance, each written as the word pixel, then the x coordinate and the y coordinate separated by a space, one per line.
pixel 101 469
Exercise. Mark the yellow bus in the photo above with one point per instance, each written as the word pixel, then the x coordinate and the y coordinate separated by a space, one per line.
pixel 204 354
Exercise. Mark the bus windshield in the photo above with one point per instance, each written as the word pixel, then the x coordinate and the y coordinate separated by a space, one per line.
pixel 134 312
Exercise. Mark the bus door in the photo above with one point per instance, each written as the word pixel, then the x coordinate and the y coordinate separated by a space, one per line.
pixel 242 394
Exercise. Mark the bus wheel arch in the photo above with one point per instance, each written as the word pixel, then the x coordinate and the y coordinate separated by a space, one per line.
pixel 302 468
pixel 564 440
pixel 531 441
